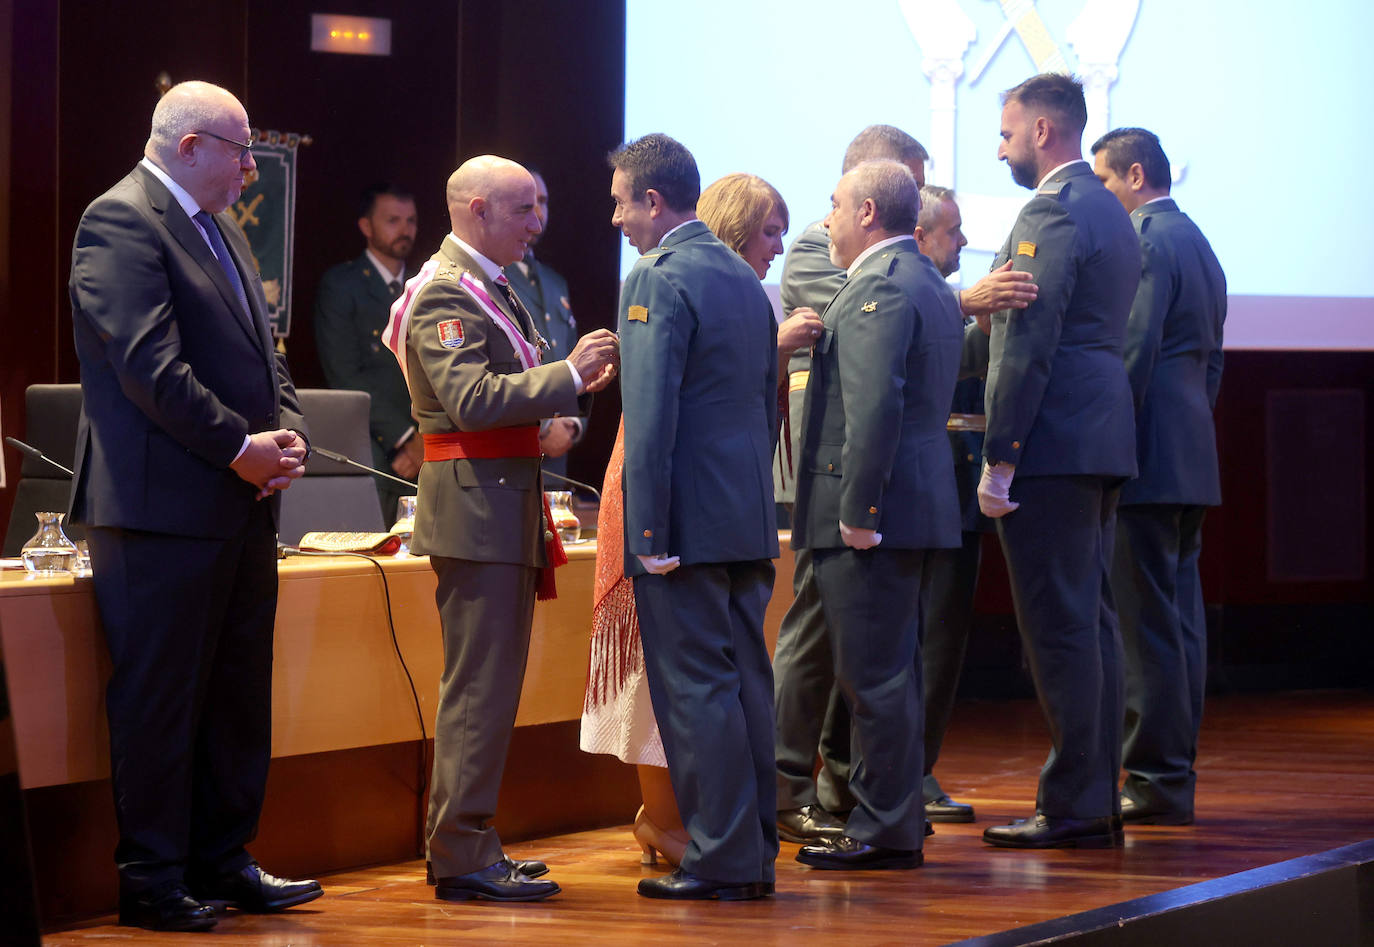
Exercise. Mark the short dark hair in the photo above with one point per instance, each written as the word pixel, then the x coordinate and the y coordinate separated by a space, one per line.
pixel 883 141
pixel 387 189
pixel 893 190
pixel 1053 93
pixel 659 162
pixel 1128 146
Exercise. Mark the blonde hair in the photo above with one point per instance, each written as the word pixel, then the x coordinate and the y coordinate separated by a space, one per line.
pixel 736 206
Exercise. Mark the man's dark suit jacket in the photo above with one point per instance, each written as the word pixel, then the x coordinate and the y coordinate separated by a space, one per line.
pixel 1174 358
pixel 874 451
pixel 174 374
pixel 352 305
pixel 1058 402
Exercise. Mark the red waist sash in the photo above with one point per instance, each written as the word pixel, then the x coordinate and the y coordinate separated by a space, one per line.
pixel 498 442
pixel 504 442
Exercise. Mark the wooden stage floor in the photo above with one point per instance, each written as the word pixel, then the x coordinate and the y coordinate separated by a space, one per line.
pixel 1280 776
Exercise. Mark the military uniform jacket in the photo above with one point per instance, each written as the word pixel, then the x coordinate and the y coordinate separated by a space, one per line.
pixel 874 452
pixel 808 279
pixel 698 355
pixel 465 376
pixel 545 294
pixel 174 372
pixel 1173 359
pixel 351 308
pixel 1057 397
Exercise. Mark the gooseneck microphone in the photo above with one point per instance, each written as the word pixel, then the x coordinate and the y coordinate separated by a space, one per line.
pixel 341 459
pixel 576 483
pixel 37 454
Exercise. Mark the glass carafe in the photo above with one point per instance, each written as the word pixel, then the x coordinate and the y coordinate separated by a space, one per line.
pixel 49 551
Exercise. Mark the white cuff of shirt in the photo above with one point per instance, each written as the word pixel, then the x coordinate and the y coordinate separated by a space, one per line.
pixel 577 379
pixel 246 441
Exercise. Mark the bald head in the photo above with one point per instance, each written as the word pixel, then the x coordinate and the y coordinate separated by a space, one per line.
pixel 491 206
pixel 199 137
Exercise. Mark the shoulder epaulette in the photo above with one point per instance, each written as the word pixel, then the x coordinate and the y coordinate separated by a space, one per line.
pixel 1054 189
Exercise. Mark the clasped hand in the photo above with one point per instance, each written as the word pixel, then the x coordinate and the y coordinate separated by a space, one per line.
pixel 857 538
pixel 660 565
pixel 271 461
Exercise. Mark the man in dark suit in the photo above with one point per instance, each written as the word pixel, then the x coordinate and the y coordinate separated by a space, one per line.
pixel 699 357
pixel 351 309
pixel 1060 441
pixel 875 491
pixel 545 295
pixel 479 389
pixel 811 713
pixel 189 429
pixel 1173 360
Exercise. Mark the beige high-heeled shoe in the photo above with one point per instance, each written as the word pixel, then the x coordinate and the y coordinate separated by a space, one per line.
pixel 651 839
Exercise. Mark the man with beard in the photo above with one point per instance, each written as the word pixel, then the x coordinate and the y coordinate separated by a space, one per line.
pixel 351 309
pixel 1060 441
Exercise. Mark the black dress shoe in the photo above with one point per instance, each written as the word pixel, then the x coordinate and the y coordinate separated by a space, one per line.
pixel 255 891
pixel 528 867
pixel 685 886
pixel 945 809
pixel 1042 831
pixel 496 882
pixel 1132 811
pixel 808 824
pixel 170 909
pixel 850 854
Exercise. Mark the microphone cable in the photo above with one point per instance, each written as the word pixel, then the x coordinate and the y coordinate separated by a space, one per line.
pixel 422 762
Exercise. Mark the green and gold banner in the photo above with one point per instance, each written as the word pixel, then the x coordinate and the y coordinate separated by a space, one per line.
pixel 267 213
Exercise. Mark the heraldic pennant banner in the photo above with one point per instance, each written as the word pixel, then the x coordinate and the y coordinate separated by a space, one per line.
pixel 266 210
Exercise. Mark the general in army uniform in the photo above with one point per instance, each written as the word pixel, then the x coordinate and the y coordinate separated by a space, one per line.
pixel 471 357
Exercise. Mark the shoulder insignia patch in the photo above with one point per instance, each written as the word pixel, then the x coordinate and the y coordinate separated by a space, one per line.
pixel 870 306
pixel 1025 248
pixel 451 333
pixel 638 314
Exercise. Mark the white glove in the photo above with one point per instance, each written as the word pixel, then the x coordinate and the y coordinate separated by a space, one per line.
pixel 859 538
pixel 994 490
pixel 660 565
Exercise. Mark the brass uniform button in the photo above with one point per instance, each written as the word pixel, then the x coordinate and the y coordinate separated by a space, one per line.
pixel 830 467
pixel 648 533
pixel 873 509
pixel 1016 445
pixel 970 458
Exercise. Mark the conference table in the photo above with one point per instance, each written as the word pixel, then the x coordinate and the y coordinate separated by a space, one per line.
pixel 346 786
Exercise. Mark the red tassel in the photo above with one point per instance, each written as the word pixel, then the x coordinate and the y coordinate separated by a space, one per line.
pixel 553 549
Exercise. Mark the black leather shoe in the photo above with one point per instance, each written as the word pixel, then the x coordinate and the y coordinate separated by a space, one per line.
pixel 685 886
pixel 1131 811
pixel 253 890
pixel 945 809
pixel 808 824
pixel 170 909
pixel 1042 831
pixel 496 882
pixel 850 854
pixel 528 867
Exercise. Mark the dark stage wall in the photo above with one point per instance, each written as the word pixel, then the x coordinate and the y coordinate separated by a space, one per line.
pixel 1286 560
